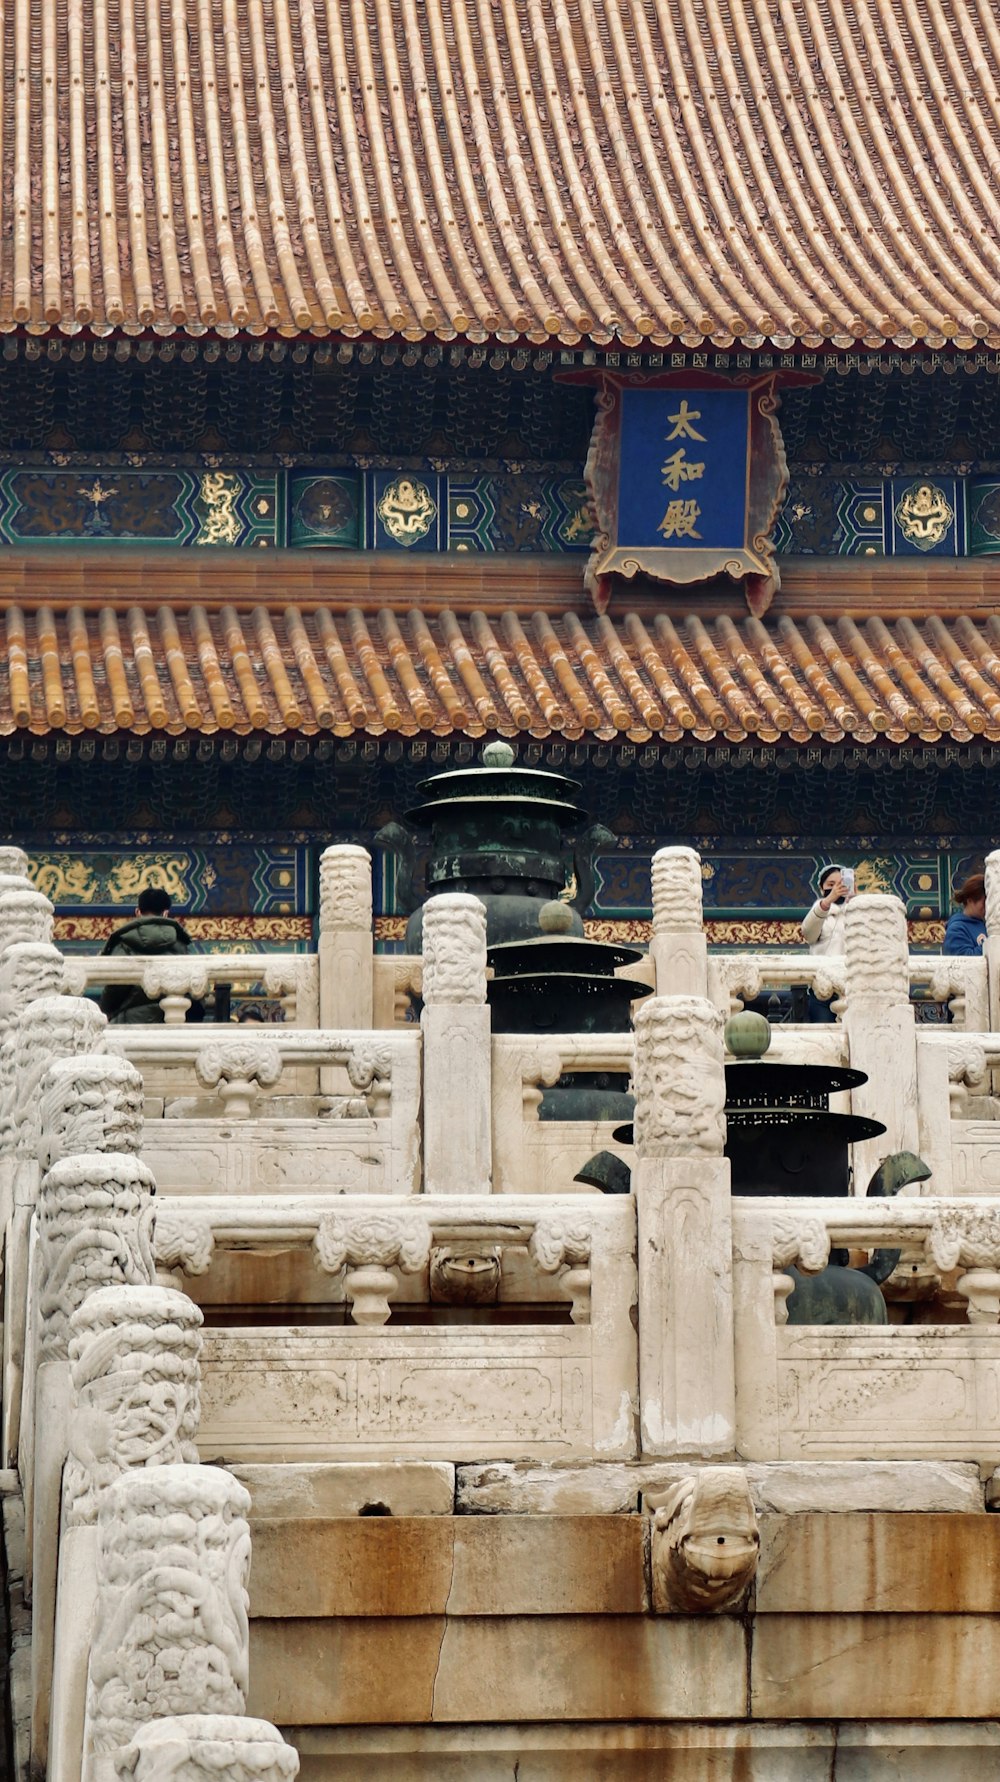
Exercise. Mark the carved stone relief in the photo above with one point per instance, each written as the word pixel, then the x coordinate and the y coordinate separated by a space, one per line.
pixel 876 949
pixel 239 1069
pixel 705 1542
pixel 94 1220
pixel 134 1365
pixel 680 1082
pixel 454 949
pixel 345 889
pixel 171 1633
pixel 89 1104
pixel 677 899
pixel 207 1748
pixel 50 1028
pixel 25 915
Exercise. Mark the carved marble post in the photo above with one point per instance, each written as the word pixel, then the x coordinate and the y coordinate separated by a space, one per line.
pixel 28 970
pixel 992 947
pixel 679 949
pixel 170 1631
pixel 134 1368
pixel 94 1228
pixel 13 863
pixel 208 1748
pixel 880 1027
pixel 25 915
pixel 90 1104
pixel 456 1045
pixel 49 1028
pixel 345 938
pixel 345 950
pixel 686 1361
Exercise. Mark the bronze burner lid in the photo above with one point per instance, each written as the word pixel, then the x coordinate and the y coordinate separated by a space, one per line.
pixel 766 1082
pixel 561 955
pixel 552 809
pixel 844 1129
pixel 497 781
pixel 526 985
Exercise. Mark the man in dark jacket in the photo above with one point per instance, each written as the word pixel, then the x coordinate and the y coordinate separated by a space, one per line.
pixel 152 931
pixel 966 930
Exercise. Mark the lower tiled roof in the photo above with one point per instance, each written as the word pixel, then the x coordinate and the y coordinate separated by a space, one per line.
pixel 293 669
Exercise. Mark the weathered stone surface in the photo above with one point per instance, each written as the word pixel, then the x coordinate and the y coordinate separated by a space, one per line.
pixel 572 1667
pixel 917 1564
pixel 518 1487
pixel 431 1392
pixel 502 1488
pixel 400 1566
pixel 885 1752
pixel 685 1753
pixel 793 1485
pixel 875 1667
pixel 350 1487
pixel 917 1753
pixel 352 1566
pixel 317 1673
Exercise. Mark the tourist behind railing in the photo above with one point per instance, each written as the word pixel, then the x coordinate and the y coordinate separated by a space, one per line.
pixel 152 931
pixel 823 927
pixel 965 934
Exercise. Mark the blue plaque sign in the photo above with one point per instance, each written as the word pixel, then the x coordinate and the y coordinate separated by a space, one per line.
pixel 683 467
pixel 687 477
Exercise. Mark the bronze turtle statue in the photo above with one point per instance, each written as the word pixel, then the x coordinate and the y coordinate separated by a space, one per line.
pixel 844 1295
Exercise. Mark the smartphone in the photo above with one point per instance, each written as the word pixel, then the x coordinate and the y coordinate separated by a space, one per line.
pixel 847 877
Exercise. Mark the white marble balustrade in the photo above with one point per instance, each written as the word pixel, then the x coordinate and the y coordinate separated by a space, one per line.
pixel 175 981
pixel 367 1140
pixel 897 1391
pixel 368 1388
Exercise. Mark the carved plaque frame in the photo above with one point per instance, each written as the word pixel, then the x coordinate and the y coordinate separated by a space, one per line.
pixel 755 563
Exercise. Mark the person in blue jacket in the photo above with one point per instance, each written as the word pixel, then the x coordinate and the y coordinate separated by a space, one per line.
pixel 966 930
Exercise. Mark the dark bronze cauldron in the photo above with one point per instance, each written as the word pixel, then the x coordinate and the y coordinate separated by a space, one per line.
pixel 511 836
pixel 781 1135
pixel 557 983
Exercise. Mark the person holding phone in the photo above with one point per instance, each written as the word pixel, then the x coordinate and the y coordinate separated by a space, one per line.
pixel 823 925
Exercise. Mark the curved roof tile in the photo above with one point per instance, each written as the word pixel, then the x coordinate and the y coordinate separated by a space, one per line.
pixel 619 171
pixel 307 671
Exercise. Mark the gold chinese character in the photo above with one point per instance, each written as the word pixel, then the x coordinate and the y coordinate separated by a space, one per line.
pixel 678 470
pixel 682 423
pixel 680 519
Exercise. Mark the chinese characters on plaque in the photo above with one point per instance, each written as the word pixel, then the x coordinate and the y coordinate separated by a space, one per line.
pixel 683 469
pixel 687 481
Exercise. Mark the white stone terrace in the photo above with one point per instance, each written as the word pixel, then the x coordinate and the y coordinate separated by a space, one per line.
pixel 393 1259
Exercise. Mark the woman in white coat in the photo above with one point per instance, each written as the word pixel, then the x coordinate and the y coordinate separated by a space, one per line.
pixel 823 925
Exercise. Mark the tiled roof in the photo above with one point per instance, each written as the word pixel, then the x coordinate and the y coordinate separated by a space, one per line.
pixel 294 669
pixel 617 170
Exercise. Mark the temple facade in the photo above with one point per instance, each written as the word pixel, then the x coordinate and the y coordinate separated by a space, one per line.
pixel 616 386
pixel 351 292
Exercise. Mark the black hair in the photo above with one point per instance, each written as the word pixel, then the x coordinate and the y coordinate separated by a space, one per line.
pixel 153 901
